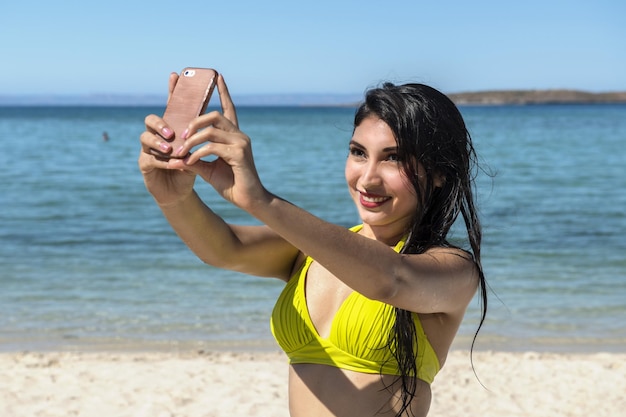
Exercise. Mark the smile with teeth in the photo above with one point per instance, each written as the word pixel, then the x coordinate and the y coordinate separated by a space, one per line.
pixel 371 200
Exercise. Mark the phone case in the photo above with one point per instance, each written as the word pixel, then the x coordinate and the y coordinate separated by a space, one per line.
pixel 189 99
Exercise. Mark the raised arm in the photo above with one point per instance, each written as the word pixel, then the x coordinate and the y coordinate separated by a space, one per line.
pixel 256 250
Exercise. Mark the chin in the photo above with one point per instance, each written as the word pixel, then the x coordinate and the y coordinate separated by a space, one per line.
pixel 375 219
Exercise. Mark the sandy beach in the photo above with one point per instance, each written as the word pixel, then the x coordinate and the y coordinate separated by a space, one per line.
pixel 206 384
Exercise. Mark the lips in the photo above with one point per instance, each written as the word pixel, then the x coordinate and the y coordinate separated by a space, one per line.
pixel 372 200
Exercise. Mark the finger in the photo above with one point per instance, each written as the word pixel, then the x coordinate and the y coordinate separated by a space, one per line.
pixel 228 107
pixel 155 140
pixel 213 119
pixel 172 83
pixel 223 151
pixel 202 129
pixel 214 134
pixel 203 138
pixel 198 167
pixel 156 124
pixel 151 141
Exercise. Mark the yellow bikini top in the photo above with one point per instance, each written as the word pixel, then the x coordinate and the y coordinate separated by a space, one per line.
pixel 359 335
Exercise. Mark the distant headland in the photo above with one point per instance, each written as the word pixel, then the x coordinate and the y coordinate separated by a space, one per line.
pixel 522 97
pixel 486 98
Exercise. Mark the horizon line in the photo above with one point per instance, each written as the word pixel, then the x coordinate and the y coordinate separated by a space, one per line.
pixel 266 99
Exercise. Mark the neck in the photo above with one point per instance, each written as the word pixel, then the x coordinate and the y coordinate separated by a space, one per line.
pixel 388 235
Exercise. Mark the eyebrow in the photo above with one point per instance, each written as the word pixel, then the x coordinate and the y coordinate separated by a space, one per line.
pixel 386 150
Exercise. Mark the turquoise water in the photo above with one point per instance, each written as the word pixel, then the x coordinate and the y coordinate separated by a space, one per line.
pixel 88 262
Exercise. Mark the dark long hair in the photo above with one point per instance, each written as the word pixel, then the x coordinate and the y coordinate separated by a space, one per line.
pixel 431 133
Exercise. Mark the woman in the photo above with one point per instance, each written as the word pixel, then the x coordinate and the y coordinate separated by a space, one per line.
pixel 368 315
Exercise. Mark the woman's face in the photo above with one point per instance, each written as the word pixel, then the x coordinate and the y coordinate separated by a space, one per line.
pixel 377 183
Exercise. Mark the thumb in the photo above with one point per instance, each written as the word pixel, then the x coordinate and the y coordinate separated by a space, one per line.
pixel 204 169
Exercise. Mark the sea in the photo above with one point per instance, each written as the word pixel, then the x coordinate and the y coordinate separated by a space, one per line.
pixel 87 261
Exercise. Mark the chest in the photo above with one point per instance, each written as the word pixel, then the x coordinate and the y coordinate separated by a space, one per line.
pixel 324 295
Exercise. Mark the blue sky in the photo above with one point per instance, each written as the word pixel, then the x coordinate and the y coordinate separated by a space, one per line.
pixel 285 47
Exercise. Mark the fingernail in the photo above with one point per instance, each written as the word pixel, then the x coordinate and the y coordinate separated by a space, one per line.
pixel 164 146
pixel 185 134
pixel 179 151
pixel 167 132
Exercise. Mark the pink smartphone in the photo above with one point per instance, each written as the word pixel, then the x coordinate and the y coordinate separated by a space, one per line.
pixel 189 100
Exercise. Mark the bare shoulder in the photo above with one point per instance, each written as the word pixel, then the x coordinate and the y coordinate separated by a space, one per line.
pixel 452 259
pixel 441 280
pixel 450 262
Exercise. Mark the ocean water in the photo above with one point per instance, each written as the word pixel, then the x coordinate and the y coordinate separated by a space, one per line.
pixel 88 262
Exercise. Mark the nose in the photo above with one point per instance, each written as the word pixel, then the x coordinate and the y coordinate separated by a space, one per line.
pixel 370 175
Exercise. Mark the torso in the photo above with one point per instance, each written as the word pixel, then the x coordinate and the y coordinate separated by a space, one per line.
pixel 321 390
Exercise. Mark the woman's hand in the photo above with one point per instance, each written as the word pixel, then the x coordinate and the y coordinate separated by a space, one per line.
pixel 166 184
pixel 233 174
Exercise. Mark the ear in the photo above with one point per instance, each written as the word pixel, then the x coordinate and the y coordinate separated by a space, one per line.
pixel 439 180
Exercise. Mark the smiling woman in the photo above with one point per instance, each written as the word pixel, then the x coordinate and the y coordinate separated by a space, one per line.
pixel 368 313
pixel 378 186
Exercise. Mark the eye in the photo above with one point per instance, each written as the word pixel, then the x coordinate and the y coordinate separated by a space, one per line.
pixel 357 152
pixel 393 157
